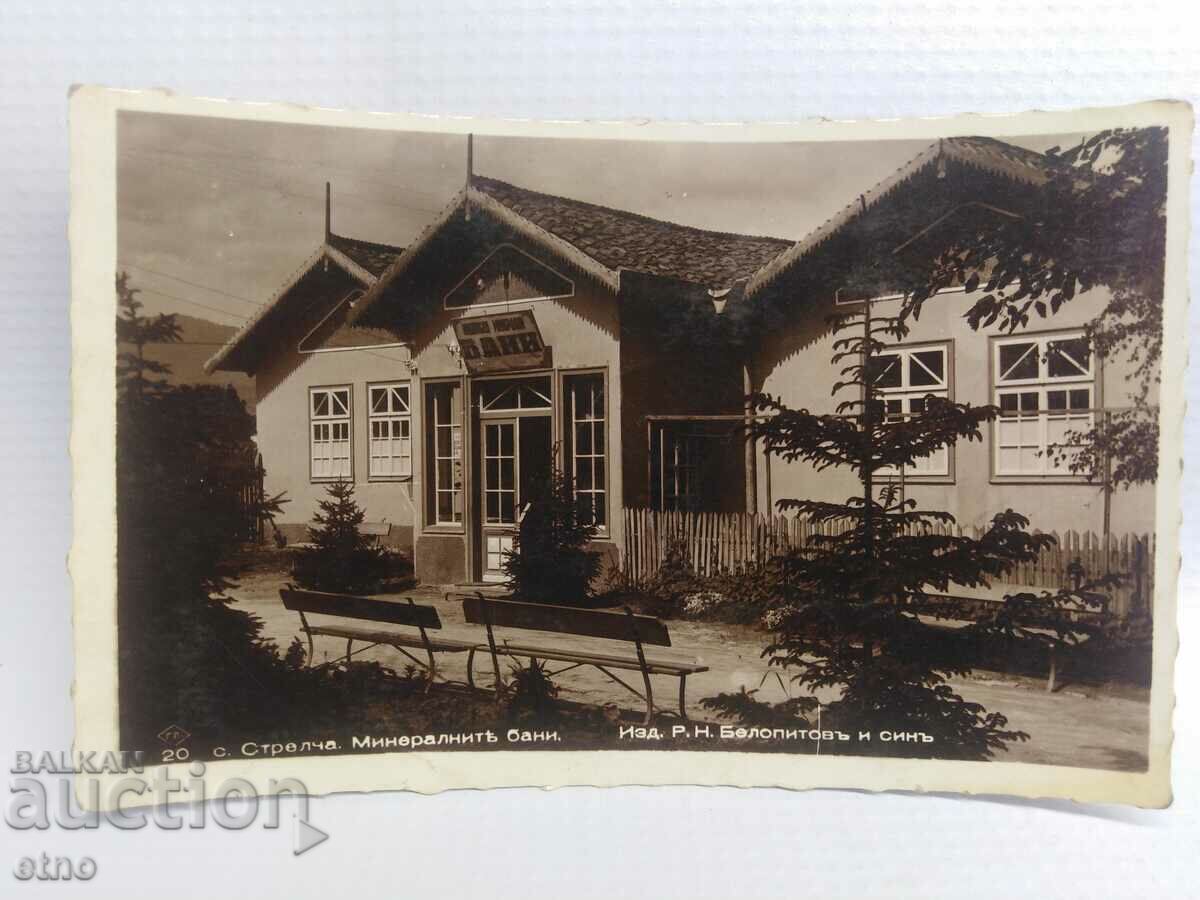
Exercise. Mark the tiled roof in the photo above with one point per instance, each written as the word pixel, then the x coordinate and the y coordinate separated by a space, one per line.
pixel 375 258
pixel 623 240
pixel 987 154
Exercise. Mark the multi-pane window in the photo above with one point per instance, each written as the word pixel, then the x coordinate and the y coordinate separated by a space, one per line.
pixel 904 379
pixel 1044 386
pixel 390 424
pixel 443 419
pixel 586 444
pixel 329 424
pixel 693 465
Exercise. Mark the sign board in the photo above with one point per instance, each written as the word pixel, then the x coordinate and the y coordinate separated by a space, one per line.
pixel 505 342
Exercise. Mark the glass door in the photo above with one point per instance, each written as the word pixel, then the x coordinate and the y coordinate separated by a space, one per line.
pixel 499 501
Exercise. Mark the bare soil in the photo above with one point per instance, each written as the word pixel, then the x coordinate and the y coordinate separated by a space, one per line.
pixel 1099 727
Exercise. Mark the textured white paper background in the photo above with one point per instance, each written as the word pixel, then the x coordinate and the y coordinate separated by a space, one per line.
pixel 708 62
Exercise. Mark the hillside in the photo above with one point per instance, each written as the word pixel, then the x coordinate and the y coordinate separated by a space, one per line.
pixel 200 339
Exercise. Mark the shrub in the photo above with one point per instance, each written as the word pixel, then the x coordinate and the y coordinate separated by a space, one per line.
pixel 341 558
pixel 532 695
pixel 550 562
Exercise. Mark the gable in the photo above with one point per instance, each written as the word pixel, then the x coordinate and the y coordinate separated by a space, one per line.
pixel 508 275
pixel 333 332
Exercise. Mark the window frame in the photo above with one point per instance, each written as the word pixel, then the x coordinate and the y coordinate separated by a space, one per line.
pixel 1042 384
pixel 947 346
pixel 313 419
pixel 373 417
pixel 567 426
pixel 429 457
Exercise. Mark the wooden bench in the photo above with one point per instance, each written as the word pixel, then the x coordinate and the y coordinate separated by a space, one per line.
pixel 422 618
pixel 975 601
pixel 624 627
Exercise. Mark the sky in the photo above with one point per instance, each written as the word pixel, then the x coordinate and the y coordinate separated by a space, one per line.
pixel 214 215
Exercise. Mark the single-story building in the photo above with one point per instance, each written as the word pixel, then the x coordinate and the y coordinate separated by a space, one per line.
pixel 521 330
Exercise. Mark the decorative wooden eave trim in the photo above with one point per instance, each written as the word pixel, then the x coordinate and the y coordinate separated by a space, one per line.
pixel 482 201
pixel 322 253
pixel 550 241
pixel 402 262
pixel 959 150
pixel 352 268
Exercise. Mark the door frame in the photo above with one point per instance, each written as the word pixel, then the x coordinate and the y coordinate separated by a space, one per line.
pixel 477 527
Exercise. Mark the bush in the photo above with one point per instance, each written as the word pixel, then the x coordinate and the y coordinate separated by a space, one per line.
pixel 341 558
pixel 550 562
pixel 532 695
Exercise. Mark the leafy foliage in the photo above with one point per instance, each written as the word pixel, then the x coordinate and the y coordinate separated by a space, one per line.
pixel 851 611
pixel 532 694
pixel 186 656
pixel 550 562
pixel 1100 220
pixel 341 558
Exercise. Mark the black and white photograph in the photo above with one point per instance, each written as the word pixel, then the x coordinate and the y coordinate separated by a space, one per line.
pixel 496 441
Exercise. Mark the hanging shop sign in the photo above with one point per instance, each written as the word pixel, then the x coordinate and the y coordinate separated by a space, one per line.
pixel 505 342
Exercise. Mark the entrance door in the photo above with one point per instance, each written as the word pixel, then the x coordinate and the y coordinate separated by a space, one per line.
pixel 515 448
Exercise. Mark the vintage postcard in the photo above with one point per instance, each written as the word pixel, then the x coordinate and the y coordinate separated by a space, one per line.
pixel 419 453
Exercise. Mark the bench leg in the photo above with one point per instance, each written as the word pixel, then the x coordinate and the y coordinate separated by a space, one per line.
pixel 310 649
pixel 649 697
pixel 471 668
pixel 432 671
pixel 682 692
pixel 1053 677
pixel 349 644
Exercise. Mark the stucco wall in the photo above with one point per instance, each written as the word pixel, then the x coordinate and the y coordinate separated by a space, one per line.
pixel 798 370
pixel 283 435
pixel 582 332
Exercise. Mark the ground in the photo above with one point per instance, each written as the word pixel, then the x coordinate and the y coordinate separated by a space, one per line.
pixel 1093 727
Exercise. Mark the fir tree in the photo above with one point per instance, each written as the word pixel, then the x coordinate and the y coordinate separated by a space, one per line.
pixel 341 557
pixel 550 562
pixel 853 611
pixel 133 368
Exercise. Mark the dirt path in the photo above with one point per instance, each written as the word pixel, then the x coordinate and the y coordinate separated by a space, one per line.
pixel 1069 728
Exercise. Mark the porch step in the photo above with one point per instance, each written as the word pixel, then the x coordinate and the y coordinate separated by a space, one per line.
pixel 487 588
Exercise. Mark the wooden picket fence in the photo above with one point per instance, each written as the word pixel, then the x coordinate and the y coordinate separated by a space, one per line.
pixel 715 543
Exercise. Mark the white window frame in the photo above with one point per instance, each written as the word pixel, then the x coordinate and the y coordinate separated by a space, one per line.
pixel 331 433
pixel 453 431
pixel 1034 429
pixel 938 465
pixel 389 432
pixel 597 424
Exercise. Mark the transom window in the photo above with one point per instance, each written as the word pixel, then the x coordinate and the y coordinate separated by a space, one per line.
pixel 586 445
pixel 390 426
pixel 905 378
pixel 1045 390
pixel 511 396
pixel 329 424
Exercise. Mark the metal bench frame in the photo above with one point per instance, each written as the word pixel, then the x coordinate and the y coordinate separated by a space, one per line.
pixel 628 627
pixel 409 614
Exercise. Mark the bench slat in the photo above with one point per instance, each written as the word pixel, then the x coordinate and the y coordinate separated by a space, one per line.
pixel 654 666
pixel 565 620
pixel 360 608
pixel 393 637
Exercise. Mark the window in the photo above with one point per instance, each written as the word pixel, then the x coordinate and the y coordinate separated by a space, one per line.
pixel 904 378
pixel 443 435
pixel 697 466
pixel 1044 387
pixel 329 428
pixel 585 445
pixel 391 442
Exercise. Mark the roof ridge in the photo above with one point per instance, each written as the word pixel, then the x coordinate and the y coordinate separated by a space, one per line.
pixel 380 244
pixel 635 215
